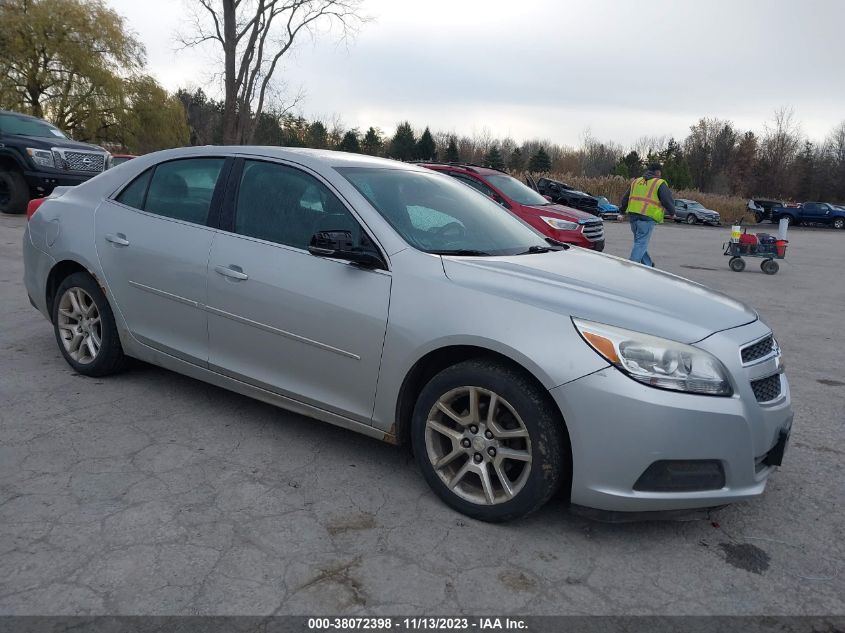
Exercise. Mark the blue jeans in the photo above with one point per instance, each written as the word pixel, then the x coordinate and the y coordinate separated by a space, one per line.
pixel 641 226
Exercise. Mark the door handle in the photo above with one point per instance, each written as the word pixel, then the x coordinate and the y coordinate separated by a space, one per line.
pixel 117 240
pixel 232 272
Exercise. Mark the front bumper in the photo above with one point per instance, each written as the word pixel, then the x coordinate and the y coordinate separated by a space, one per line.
pixel 43 182
pixel 618 428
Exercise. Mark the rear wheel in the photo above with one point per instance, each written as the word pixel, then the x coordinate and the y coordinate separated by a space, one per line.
pixel 737 264
pixel 488 442
pixel 85 328
pixel 14 192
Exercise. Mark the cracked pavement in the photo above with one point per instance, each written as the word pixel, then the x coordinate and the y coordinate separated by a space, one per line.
pixel 152 493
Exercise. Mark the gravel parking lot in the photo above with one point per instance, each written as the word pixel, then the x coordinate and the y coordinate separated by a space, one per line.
pixel 151 493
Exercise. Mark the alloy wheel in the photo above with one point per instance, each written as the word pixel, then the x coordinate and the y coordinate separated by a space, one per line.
pixel 80 326
pixel 478 445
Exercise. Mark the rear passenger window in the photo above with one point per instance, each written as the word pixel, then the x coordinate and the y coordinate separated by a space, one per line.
pixel 284 205
pixel 182 189
pixel 133 195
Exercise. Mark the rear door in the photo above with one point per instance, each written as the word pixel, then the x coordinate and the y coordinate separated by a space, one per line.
pixel 306 327
pixel 153 243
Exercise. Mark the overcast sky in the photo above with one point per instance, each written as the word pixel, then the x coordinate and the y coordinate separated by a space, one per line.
pixel 550 68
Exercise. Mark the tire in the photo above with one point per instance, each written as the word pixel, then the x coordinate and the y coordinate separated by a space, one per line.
pixel 737 264
pixel 525 423
pixel 690 218
pixel 758 217
pixel 14 192
pixel 839 223
pixel 769 266
pixel 81 316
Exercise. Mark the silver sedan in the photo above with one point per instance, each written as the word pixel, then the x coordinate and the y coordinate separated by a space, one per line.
pixel 396 302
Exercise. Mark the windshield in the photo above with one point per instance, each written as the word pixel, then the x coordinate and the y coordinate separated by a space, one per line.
pixel 516 191
pixel 437 214
pixel 11 124
pixel 694 205
pixel 603 200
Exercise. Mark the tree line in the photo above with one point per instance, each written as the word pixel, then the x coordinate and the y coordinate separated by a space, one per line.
pixel 75 63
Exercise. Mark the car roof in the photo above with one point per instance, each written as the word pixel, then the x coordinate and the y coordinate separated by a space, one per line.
pixel 313 158
pixel 24 116
pixel 466 167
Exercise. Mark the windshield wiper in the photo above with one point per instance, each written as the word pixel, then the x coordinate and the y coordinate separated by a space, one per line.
pixel 538 249
pixel 461 251
pixel 561 245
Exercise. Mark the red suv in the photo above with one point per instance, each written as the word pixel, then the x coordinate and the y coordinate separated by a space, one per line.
pixel 552 220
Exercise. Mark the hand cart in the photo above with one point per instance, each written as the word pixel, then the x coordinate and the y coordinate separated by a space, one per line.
pixel 737 248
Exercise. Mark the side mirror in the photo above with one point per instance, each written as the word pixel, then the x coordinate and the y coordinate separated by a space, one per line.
pixel 549 198
pixel 339 245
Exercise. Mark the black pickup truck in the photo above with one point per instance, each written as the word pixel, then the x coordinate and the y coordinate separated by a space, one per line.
pixel 36 157
pixel 811 213
pixel 561 193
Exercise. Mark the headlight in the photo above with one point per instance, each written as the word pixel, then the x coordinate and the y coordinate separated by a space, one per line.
pixel 657 362
pixel 561 225
pixel 41 157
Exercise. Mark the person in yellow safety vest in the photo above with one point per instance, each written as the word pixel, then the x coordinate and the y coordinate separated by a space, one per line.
pixel 647 201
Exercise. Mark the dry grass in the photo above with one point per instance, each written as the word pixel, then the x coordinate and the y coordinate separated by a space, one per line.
pixel 731 208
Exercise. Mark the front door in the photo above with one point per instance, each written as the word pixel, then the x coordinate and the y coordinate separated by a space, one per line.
pixel 306 327
pixel 153 245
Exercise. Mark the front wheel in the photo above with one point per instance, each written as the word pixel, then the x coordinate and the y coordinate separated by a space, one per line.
pixel 839 223
pixel 488 441
pixel 769 266
pixel 690 219
pixel 14 192
pixel 85 328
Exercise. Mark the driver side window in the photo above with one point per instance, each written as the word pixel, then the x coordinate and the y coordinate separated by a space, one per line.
pixel 284 205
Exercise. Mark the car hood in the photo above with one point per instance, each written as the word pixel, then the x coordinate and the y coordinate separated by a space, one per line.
pixel 562 210
pixel 704 211
pixel 45 142
pixel 606 289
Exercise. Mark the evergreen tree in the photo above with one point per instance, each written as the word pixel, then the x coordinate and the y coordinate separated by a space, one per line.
pixel 426 149
pixel 350 143
pixel 540 161
pixel 675 168
pixel 493 158
pixel 452 155
pixel 317 136
pixel 629 166
pixel 372 142
pixel 515 161
pixel 403 146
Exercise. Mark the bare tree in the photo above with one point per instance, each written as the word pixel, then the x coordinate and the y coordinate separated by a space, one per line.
pixel 782 139
pixel 254 36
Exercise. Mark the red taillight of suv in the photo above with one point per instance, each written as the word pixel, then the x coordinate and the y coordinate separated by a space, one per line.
pixel 32 207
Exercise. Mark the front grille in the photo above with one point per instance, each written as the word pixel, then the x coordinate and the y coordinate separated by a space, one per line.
pixel 757 350
pixel 594 231
pixel 84 161
pixel 766 389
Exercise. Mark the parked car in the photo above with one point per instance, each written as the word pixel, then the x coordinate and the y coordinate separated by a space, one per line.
pixel 607 210
pixel 766 206
pixel 119 159
pixel 553 220
pixel 35 157
pixel 563 194
pixel 811 213
pixel 693 212
pixel 394 301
